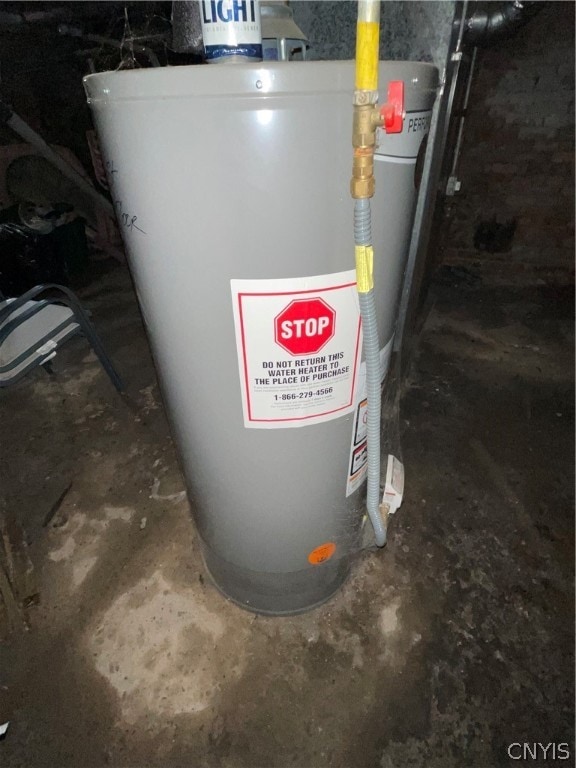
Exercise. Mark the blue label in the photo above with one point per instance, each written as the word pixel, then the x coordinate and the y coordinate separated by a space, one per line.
pixel 250 51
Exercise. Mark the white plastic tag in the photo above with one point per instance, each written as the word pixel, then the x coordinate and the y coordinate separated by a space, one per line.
pixel 45 349
pixel 394 489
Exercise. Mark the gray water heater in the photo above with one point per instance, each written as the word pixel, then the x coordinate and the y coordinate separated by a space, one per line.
pixel 231 186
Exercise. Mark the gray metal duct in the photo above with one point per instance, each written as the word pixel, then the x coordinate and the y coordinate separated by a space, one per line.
pixel 186 27
pixel 485 26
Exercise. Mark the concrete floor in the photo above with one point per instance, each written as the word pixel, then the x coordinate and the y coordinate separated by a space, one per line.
pixel 454 642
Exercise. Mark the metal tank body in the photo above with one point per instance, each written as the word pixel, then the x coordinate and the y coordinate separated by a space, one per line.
pixel 226 174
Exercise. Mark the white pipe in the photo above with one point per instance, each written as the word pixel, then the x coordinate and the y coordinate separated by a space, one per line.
pixel 369 10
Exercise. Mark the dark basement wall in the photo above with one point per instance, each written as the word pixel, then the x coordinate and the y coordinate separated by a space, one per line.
pixel 42 82
pixel 518 154
pixel 41 71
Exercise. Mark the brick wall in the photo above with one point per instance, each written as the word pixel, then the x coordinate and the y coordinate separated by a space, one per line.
pixel 518 156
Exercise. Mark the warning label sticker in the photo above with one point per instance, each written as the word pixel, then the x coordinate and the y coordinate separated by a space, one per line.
pixel 299 344
pixel 358 444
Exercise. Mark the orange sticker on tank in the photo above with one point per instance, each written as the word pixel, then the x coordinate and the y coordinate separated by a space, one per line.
pixel 322 553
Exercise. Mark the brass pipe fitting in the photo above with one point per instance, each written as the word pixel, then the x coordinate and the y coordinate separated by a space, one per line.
pixel 366 118
pixel 362 185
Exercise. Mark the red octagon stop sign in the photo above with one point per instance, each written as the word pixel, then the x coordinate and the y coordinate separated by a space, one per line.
pixel 304 326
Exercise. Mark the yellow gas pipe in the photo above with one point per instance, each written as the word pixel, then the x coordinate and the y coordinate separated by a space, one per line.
pixel 366 114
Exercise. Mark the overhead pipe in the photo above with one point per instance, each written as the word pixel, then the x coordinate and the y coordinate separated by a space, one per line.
pixel 33 17
pixel 483 27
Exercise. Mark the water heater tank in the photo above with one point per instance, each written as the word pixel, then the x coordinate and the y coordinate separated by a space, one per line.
pixel 231 186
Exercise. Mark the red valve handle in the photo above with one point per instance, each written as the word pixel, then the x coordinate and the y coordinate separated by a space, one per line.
pixel 393 111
